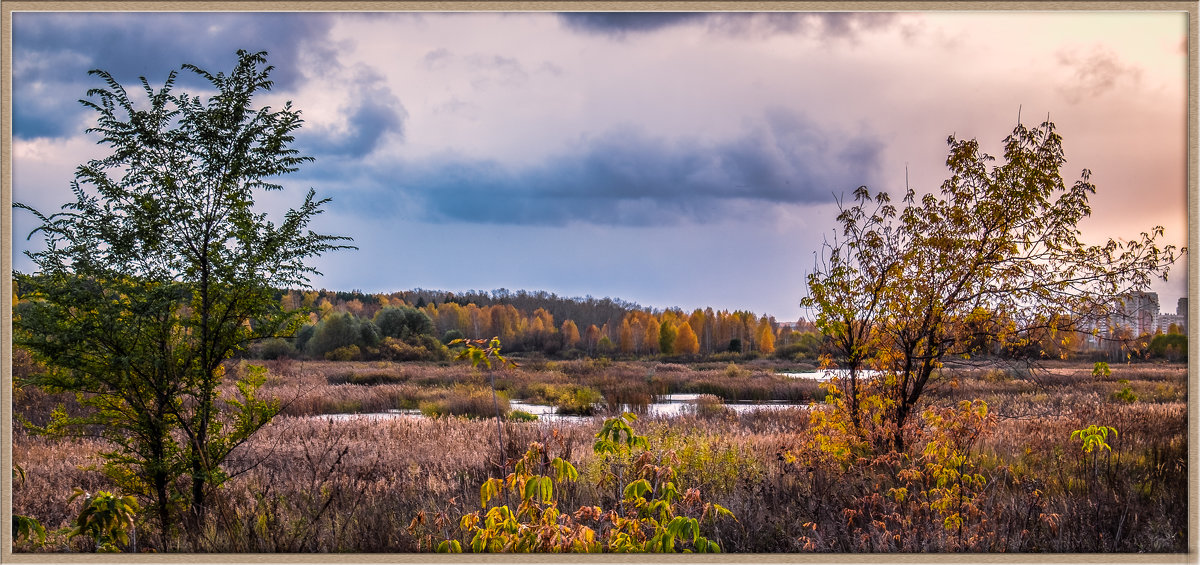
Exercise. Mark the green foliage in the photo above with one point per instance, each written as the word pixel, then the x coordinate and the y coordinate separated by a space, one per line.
pixel 536 525
pixel 1126 395
pixel 522 416
pixel 578 400
pixel 24 528
pixel 339 331
pixel 1094 438
pixel 403 322
pixel 345 353
pixel 651 518
pixel 609 439
pixel 807 346
pixel 948 464
pixel 27 530
pixel 161 269
pixel 1172 346
pixel 275 348
pixel 106 518
pixel 1100 370
pixel 451 336
pixel 666 337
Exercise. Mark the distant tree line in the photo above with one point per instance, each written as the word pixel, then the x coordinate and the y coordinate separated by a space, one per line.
pixel 416 325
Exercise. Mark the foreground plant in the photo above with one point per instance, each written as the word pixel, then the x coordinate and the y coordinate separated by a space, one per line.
pixel 107 518
pixel 162 269
pixel 652 515
pixel 24 528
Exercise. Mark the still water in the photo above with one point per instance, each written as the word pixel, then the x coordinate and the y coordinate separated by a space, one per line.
pixel 666 405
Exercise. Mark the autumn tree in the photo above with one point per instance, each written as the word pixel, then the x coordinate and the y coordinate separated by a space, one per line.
pixel 685 341
pixel 766 337
pixel 161 269
pixel 591 337
pixel 570 334
pixel 650 330
pixel 625 338
pixel 897 286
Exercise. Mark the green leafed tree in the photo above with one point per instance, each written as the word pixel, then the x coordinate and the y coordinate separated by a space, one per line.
pixel 403 322
pixel 666 337
pixel 900 289
pixel 161 269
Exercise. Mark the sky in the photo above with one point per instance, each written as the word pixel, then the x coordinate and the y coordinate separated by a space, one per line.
pixel 668 159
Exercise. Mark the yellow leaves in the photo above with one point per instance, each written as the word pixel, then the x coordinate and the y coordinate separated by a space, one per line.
pixel 488 490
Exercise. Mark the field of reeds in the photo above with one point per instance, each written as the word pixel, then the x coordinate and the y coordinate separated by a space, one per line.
pixel 1019 482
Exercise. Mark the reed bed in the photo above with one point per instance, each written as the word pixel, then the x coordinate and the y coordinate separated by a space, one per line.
pixel 309 482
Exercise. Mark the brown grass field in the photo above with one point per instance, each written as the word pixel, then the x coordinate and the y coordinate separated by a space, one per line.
pixel 307 483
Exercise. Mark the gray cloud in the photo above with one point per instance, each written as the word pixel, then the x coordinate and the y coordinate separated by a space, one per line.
pixel 1094 73
pixel 827 25
pixel 618 24
pixel 52 52
pixel 373 112
pixel 499 69
pixel 627 177
pixel 437 59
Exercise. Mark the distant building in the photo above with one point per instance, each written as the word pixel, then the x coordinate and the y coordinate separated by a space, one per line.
pixel 1165 321
pixel 1138 311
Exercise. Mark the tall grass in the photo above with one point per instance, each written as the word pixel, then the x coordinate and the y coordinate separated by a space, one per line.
pixel 315 484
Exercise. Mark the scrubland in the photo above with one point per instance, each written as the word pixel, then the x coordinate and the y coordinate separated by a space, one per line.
pixel 1012 480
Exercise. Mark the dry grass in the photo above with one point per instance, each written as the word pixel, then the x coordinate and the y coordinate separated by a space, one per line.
pixel 315 484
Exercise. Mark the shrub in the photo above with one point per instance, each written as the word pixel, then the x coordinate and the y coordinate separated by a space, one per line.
pixel 451 335
pixel 470 402
pixel 394 349
pixel 402 322
pixel 733 371
pixel 334 332
pixel 347 353
pixel 578 400
pixel 709 406
pixel 275 348
pixel 1124 395
pixel 521 416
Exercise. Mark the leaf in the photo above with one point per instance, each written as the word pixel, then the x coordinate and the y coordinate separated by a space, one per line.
pixel 637 489
pixel 564 470
pixel 488 490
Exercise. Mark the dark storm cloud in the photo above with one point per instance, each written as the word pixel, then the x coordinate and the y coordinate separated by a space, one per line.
pixel 626 177
pixel 373 112
pixel 828 25
pixel 52 53
pixel 617 24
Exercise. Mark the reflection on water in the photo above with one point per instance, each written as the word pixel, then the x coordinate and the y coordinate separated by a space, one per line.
pixel 827 374
pixel 666 405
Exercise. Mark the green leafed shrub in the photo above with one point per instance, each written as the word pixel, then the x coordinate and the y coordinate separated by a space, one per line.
pixel 522 416
pixel 347 353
